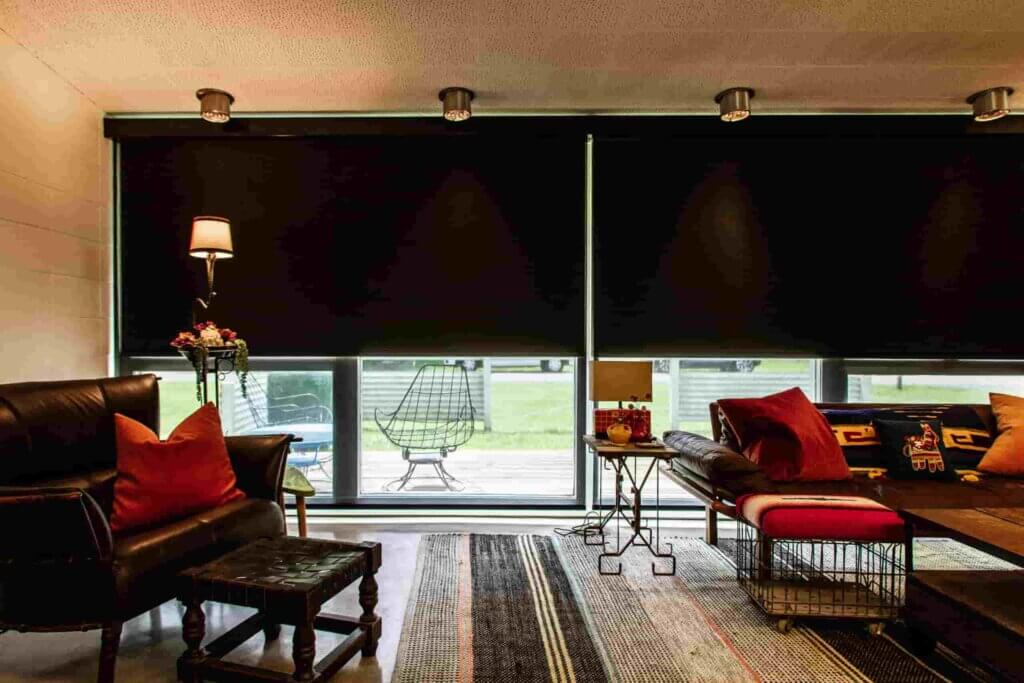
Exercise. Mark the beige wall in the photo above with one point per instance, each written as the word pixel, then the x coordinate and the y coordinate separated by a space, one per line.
pixel 55 269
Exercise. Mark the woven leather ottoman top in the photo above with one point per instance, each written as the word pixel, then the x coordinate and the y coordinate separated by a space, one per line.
pixel 284 574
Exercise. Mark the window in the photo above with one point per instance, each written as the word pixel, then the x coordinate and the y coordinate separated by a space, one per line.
pixel 295 402
pixel 921 388
pixel 459 427
pixel 685 387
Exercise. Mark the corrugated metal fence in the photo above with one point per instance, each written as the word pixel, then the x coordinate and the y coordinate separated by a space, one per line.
pixel 694 391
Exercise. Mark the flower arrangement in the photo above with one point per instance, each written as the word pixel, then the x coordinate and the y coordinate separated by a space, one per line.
pixel 195 345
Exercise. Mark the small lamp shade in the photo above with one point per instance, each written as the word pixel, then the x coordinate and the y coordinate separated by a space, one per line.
pixel 215 105
pixel 613 380
pixel 456 103
pixel 211 236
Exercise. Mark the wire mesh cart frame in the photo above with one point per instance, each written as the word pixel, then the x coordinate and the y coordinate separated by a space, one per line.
pixel 821 579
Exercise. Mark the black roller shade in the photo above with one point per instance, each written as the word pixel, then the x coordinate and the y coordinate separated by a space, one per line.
pixel 422 245
pixel 859 246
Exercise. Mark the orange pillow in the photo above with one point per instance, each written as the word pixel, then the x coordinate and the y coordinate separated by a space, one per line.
pixel 1006 455
pixel 158 481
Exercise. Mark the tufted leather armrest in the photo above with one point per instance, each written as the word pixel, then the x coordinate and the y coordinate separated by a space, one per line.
pixel 45 525
pixel 259 462
pixel 713 461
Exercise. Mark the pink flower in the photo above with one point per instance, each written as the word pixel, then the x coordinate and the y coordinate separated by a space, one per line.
pixel 184 340
pixel 199 327
pixel 227 334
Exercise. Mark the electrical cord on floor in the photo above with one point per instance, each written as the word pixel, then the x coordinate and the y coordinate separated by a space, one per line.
pixel 584 529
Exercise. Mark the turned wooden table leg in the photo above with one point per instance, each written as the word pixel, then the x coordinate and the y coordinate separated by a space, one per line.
pixel 304 652
pixel 110 641
pixel 300 511
pixel 193 630
pixel 271 629
pixel 371 622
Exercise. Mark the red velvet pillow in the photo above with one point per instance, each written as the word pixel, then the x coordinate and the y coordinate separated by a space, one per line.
pixel 158 481
pixel 786 435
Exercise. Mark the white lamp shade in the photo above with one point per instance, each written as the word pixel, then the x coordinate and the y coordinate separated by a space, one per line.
pixel 211 235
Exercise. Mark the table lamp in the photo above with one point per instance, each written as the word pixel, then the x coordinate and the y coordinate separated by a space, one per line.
pixel 622 381
pixel 615 380
pixel 211 240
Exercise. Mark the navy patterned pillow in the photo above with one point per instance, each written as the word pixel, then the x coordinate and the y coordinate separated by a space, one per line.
pixel 965 435
pixel 914 449
pixel 855 431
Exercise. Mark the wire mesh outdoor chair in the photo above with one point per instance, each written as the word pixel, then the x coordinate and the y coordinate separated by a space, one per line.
pixel 433 419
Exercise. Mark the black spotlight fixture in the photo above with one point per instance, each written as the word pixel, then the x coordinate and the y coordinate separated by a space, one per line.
pixel 214 105
pixel 991 104
pixel 734 103
pixel 456 103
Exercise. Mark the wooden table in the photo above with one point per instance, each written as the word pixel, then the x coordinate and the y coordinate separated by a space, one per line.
pixel 978 613
pixel 996 531
pixel 287 579
pixel 618 459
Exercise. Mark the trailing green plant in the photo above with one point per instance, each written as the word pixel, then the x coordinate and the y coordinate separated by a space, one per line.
pixel 197 343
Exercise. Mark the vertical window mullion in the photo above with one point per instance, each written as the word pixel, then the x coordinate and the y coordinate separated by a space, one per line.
pixel 347 428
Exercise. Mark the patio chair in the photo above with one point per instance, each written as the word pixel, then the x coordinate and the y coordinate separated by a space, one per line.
pixel 301 415
pixel 433 419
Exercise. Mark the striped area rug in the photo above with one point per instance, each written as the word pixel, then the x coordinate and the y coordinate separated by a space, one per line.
pixel 519 609
pixel 494 608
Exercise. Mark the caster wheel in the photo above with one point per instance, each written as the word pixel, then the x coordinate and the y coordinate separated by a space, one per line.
pixel 783 626
pixel 876 628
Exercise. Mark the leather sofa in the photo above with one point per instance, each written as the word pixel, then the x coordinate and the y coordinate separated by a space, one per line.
pixel 717 475
pixel 61 568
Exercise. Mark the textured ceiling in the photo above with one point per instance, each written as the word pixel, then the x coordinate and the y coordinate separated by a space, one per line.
pixel 531 55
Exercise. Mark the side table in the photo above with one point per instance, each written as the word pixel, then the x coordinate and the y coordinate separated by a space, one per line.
pixel 627 463
pixel 287 579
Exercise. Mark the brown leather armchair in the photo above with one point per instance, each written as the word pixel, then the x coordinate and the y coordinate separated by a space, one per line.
pixel 61 569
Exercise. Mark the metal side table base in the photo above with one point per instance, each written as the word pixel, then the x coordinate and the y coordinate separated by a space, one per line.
pixel 628 508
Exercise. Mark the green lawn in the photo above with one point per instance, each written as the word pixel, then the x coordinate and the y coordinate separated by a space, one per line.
pixel 888 393
pixel 525 415
pixel 177 401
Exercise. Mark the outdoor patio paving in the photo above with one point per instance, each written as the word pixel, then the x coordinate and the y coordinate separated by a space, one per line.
pixel 506 473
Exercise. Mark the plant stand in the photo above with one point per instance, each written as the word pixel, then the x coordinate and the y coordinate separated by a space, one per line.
pixel 220 360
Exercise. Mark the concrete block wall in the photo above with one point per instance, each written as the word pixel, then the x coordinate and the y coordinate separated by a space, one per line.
pixel 55 242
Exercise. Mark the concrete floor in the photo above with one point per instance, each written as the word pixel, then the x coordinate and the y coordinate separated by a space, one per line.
pixel 151 643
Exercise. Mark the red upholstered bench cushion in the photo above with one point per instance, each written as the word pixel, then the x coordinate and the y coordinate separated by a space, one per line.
pixel 826 518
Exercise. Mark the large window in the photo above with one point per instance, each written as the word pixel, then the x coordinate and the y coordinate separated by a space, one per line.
pixel 915 388
pixel 460 427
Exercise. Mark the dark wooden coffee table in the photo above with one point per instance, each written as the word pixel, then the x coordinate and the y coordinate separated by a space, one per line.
pixel 996 531
pixel 288 580
pixel 978 613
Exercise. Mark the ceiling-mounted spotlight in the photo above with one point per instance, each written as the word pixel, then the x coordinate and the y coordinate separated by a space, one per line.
pixel 734 103
pixel 214 105
pixel 991 104
pixel 456 103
